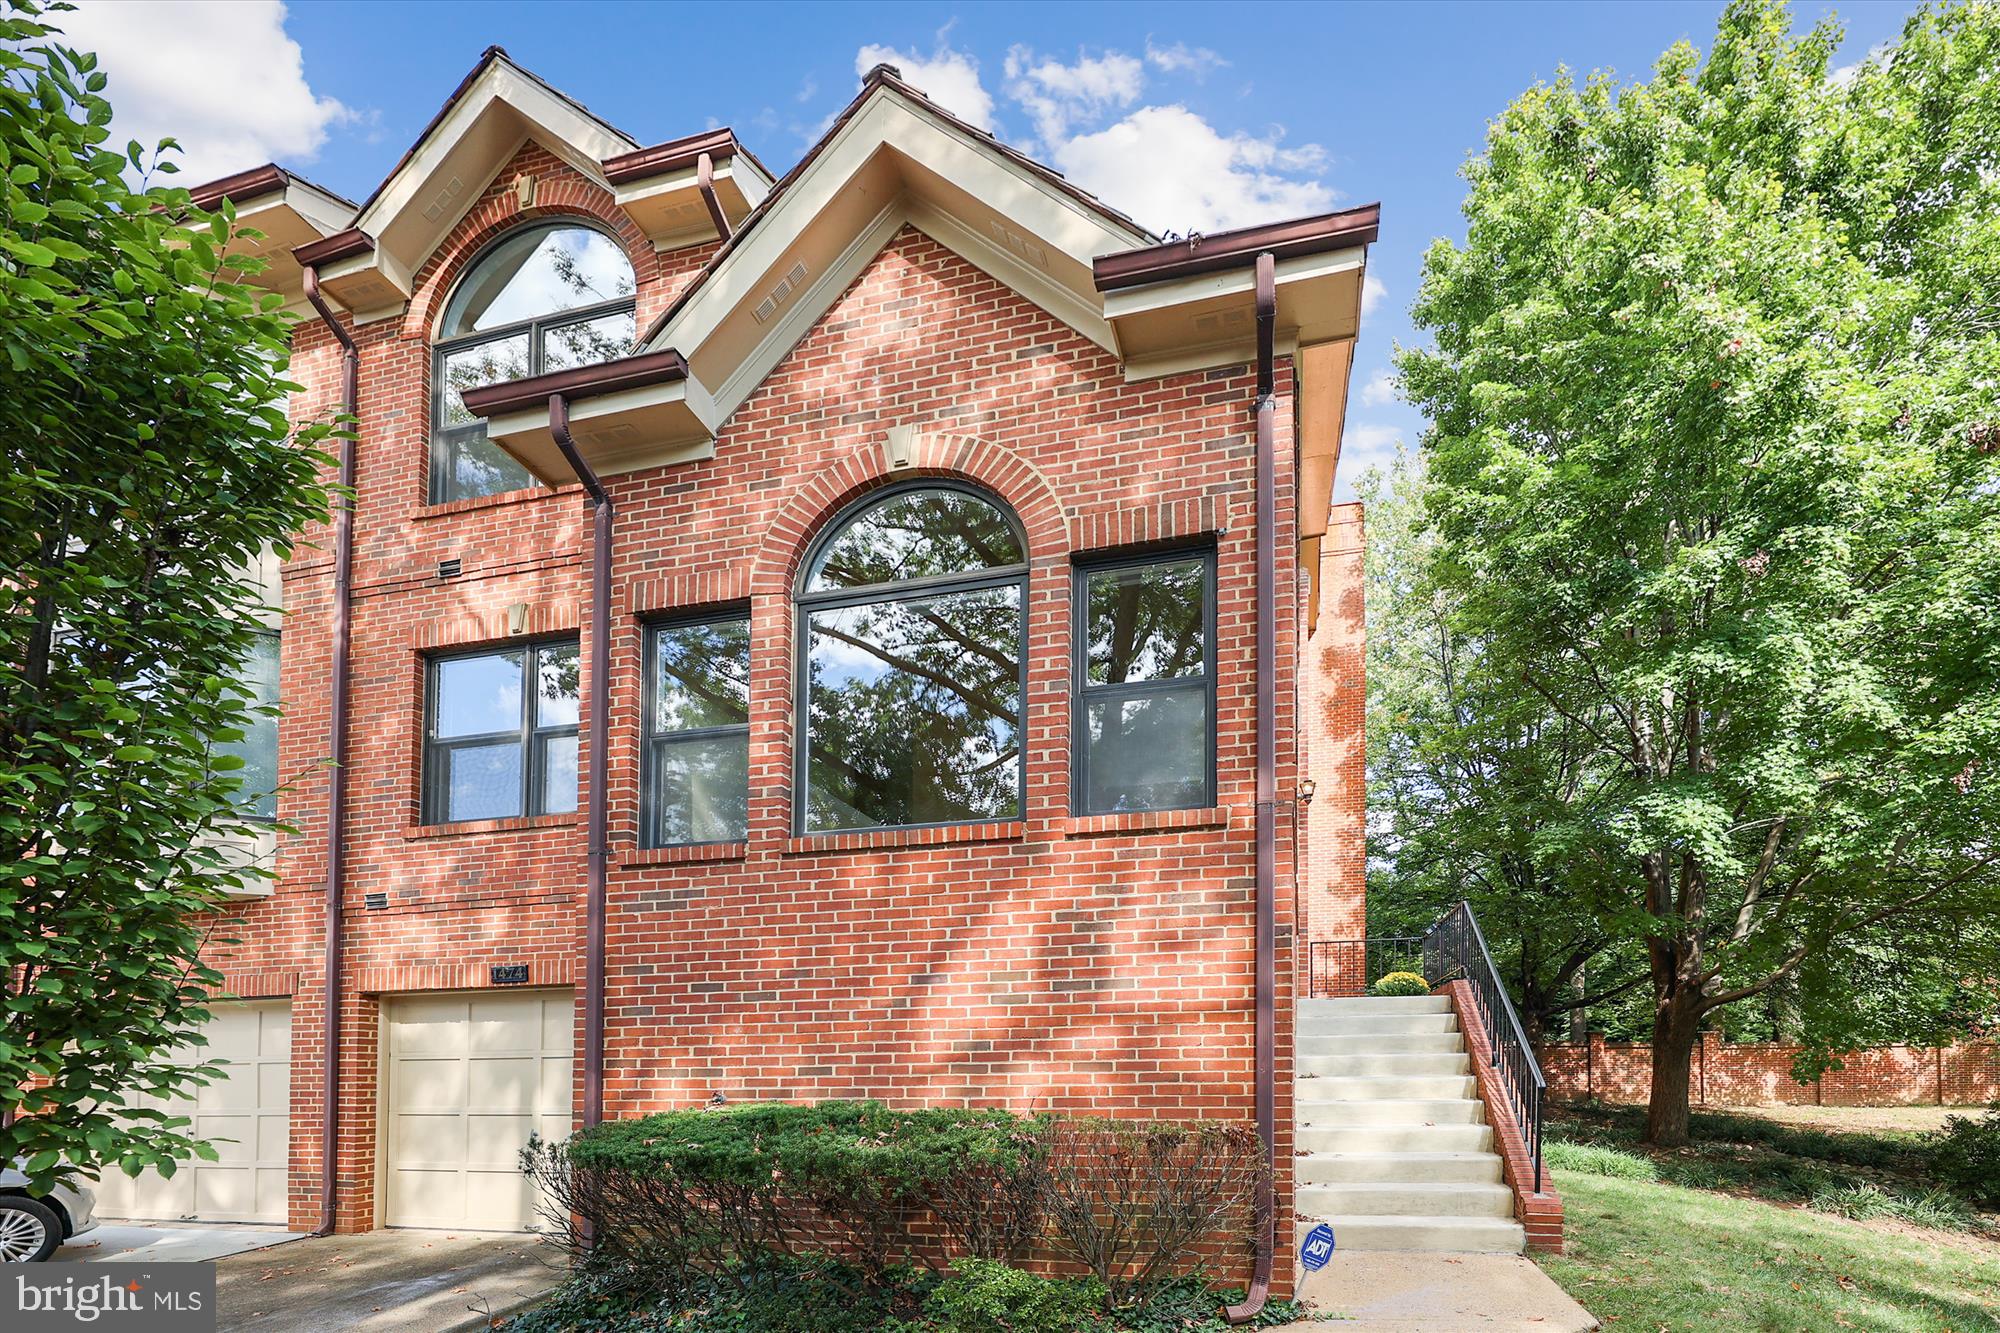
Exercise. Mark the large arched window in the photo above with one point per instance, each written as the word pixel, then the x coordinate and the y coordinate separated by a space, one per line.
pixel 911 637
pixel 546 297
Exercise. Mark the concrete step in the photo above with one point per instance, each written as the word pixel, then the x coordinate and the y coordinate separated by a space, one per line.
pixel 1378 1025
pixel 1383 1111
pixel 1385 1063
pixel 1317 1045
pixel 1407 1200
pixel 1349 1006
pixel 1388 1087
pixel 1389 1168
pixel 1467 1235
pixel 1353 1138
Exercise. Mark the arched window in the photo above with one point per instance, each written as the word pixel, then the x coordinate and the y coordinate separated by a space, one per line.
pixel 911 636
pixel 546 297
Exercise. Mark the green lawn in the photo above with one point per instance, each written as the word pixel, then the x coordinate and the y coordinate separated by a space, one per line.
pixel 1653 1256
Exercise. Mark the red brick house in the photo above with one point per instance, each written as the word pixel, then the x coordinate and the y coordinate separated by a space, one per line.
pixel 893 532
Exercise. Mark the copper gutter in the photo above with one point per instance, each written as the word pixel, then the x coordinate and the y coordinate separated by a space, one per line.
pixel 1267 786
pixel 674 155
pixel 596 818
pixel 336 795
pixel 1228 249
pixel 592 381
pixel 340 245
pixel 704 180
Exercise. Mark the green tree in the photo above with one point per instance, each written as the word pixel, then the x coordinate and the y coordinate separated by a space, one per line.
pixel 148 463
pixel 1714 472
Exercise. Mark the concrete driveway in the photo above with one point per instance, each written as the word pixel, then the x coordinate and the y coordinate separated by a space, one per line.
pixel 385 1282
pixel 167 1242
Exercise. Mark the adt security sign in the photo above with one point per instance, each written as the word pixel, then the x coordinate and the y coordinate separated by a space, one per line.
pixel 1317 1248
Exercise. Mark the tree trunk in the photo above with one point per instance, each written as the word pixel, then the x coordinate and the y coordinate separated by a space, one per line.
pixel 1676 1030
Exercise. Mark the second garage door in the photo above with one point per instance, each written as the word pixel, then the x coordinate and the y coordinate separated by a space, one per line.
pixel 245 1114
pixel 468 1079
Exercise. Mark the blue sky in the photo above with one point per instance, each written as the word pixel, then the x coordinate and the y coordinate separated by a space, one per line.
pixel 1194 117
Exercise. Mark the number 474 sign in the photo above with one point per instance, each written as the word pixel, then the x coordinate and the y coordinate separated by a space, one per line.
pixel 1317 1248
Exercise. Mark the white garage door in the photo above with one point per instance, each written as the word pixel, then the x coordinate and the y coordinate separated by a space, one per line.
pixel 246 1114
pixel 469 1077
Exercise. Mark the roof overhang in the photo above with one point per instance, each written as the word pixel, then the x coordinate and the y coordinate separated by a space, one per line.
pixel 625 415
pixel 288 210
pixel 661 187
pixel 482 125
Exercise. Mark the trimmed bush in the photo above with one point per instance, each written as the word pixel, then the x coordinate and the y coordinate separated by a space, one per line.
pixel 1965 1155
pixel 1401 983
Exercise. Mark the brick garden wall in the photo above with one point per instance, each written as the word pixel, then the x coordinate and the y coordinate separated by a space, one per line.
pixel 1100 965
pixel 1760 1074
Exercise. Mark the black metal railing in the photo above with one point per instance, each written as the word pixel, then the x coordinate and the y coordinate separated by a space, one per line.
pixel 1336 968
pixel 1454 948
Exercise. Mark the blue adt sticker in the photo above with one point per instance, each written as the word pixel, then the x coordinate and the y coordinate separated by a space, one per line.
pixel 1316 1248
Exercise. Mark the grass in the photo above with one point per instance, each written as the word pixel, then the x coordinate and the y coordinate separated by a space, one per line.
pixel 1648 1255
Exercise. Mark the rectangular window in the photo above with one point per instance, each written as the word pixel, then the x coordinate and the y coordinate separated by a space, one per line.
pixel 500 733
pixel 697 775
pixel 1144 723
pixel 258 749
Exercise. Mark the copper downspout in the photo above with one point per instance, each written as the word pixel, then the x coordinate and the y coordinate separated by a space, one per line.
pixel 1267 787
pixel 600 733
pixel 336 795
pixel 704 180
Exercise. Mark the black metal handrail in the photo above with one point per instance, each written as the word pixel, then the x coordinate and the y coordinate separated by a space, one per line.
pixel 1453 948
pixel 1336 968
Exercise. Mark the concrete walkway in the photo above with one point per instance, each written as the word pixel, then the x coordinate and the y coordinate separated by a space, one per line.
pixel 385 1282
pixel 167 1243
pixel 1377 1292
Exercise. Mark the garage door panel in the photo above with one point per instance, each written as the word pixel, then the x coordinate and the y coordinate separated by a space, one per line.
pixel 245 1115
pixel 468 1079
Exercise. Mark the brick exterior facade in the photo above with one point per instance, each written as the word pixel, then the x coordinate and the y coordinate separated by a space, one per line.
pixel 1097 965
pixel 1760 1074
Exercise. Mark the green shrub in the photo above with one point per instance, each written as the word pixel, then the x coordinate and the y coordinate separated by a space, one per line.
pixel 1401 983
pixel 1965 1155
pixel 981 1296
pixel 1594 1160
pixel 1938 1209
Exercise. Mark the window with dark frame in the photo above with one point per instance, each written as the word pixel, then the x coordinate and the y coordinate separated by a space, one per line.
pixel 1144 723
pixel 500 733
pixel 546 297
pixel 911 643
pixel 697 758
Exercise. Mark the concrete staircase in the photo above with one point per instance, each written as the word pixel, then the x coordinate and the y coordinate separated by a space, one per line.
pixel 1394 1149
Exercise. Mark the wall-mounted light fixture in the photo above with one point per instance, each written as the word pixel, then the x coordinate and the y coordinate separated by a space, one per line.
pixel 1306 790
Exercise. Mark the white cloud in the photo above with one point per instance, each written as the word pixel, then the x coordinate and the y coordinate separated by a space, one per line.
pixel 1059 95
pixel 1182 58
pixel 1380 388
pixel 1372 294
pixel 1364 445
pixel 1172 170
pixel 949 78
pixel 220 76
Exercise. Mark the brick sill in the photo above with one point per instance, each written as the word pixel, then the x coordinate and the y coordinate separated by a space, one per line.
pixel 1145 821
pixel 527 495
pixel 684 855
pixel 869 840
pixel 516 824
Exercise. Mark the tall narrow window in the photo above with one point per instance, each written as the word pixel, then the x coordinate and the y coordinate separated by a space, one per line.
pixel 543 298
pixel 500 735
pixel 1145 684
pixel 258 792
pixel 697 776
pixel 911 635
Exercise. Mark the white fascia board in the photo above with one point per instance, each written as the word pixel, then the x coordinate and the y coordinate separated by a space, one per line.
pixel 889 122
pixel 1240 281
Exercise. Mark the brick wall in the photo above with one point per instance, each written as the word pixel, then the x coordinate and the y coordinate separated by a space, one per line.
pixel 1333 701
pixel 1760 1074
pixel 1537 1206
pixel 1100 965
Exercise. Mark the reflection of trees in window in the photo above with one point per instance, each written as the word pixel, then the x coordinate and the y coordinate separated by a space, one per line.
pixel 547 297
pixel 257 789
pixel 911 617
pixel 698 732
pixel 1144 734
pixel 493 746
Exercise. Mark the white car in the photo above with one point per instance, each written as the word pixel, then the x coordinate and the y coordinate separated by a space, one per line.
pixel 33 1226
